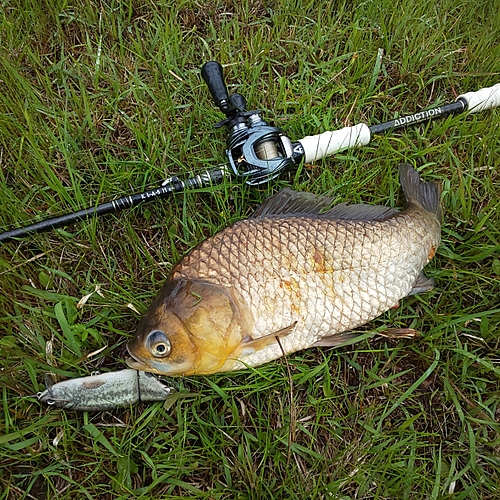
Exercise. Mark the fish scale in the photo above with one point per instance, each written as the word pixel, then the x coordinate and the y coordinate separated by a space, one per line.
pixel 304 277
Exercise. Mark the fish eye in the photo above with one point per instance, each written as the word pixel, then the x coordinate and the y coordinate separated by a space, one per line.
pixel 158 344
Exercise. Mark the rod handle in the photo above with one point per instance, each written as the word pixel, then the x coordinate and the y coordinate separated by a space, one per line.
pixel 212 74
pixel 483 99
pixel 328 143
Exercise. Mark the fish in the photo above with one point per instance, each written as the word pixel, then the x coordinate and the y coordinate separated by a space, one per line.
pixel 105 391
pixel 296 274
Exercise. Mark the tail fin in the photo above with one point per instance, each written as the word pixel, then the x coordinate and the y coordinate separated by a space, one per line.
pixel 426 194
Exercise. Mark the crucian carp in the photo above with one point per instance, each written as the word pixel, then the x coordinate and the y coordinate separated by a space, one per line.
pixel 296 274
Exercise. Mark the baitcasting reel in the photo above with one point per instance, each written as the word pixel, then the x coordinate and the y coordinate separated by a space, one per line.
pixel 258 152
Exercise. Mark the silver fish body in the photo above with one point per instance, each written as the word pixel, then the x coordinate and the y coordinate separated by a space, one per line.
pixel 105 391
pixel 293 272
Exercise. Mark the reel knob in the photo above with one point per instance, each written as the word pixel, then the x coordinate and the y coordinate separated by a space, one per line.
pixel 212 74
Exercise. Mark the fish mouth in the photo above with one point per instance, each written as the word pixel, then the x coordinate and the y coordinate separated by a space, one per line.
pixel 142 365
pixel 137 364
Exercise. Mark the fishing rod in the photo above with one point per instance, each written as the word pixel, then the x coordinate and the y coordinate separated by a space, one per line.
pixel 258 152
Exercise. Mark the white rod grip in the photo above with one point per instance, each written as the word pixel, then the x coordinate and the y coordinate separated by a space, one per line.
pixel 328 143
pixel 482 99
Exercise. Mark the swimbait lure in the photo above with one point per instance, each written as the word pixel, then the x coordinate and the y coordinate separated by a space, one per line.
pixel 105 391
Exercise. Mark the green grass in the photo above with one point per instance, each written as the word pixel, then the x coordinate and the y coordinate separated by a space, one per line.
pixel 98 99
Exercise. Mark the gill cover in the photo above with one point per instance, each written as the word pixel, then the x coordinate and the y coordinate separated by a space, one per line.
pixel 192 327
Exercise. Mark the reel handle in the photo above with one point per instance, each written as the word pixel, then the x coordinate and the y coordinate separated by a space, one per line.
pixel 212 74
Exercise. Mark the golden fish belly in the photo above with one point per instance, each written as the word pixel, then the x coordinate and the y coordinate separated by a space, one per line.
pixel 321 275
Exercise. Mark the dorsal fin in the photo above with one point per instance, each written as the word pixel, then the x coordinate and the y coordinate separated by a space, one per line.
pixel 296 203
pixel 291 202
pixel 360 212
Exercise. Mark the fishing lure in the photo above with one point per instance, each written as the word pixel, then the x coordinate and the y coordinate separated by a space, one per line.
pixel 105 391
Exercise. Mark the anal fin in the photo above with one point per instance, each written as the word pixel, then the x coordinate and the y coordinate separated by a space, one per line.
pixel 339 339
pixel 344 339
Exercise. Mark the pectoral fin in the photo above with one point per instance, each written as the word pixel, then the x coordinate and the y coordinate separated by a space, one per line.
pixel 251 345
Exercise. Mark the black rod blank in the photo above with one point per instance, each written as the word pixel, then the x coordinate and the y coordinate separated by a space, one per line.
pixel 455 108
pixel 171 186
